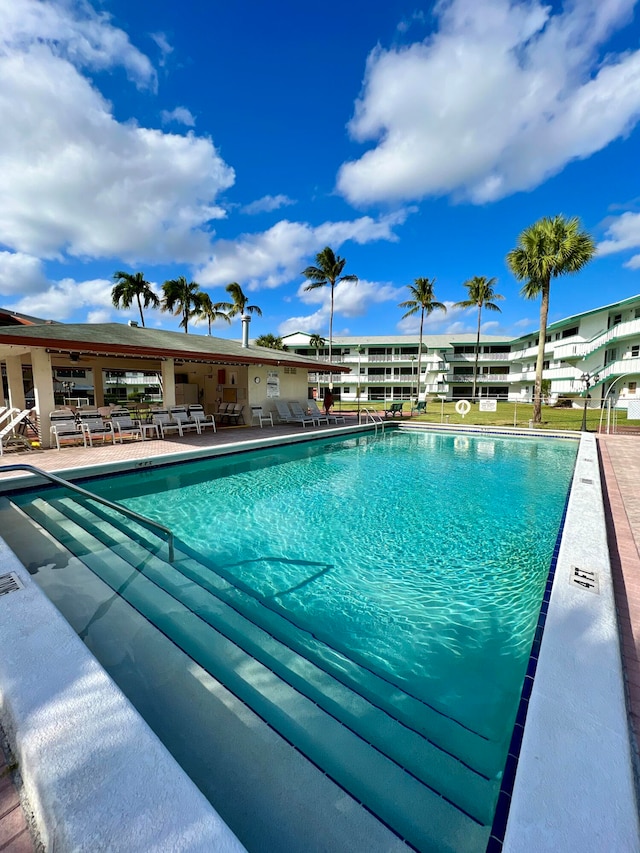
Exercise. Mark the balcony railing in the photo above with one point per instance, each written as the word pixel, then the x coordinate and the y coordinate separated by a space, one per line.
pixel 483 356
pixel 483 377
pixel 580 350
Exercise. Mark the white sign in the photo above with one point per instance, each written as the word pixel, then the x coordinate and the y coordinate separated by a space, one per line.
pixel 487 405
pixel 273 384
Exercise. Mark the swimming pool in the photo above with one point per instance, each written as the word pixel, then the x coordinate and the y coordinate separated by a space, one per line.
pixel 395 583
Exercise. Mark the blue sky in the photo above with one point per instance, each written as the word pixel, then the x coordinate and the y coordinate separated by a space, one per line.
pixel 233 141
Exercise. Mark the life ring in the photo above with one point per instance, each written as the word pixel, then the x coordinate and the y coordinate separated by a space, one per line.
pixel 463 407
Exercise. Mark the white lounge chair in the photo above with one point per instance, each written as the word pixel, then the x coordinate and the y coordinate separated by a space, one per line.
pixel 65 429
pixel 235 414
pixel 299 414
pixel 258 414
pixel 286 415
pixel 196 412
pixel 162 419
pixel 95 428
pixel 125 426
pixel 328 416
pixel 8 435
pixel 180 415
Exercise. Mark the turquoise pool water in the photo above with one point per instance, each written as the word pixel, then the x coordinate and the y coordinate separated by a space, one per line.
pixel 423 556
pixel 374 599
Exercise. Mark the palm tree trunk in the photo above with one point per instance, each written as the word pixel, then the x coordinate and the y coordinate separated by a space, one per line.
pixel 475 366
pixel 420 352
pixel 140 309
pixel 331 340
pixel 537 392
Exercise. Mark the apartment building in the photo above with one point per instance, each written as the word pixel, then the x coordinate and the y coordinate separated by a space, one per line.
pixel 598 349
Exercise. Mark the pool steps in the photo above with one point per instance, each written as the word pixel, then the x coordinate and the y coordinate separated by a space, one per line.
pixel 440 800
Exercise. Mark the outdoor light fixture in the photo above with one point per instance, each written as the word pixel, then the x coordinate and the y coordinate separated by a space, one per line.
pixel 588 379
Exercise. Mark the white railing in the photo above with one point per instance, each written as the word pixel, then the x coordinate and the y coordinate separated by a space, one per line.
pixel 579 350
pixel 484 377
pixel 483 356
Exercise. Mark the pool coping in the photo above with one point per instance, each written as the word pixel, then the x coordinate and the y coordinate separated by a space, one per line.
pixel 573 787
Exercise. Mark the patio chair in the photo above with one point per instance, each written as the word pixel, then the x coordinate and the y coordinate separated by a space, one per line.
pixel 162 419
pixel 315 411
pixel 125 426
pixel 196 412
pixel 95 428
pixel 421 407
pixel 65 429
pixel 298 412
pixel 257 413
pixel 181 416
pixel 222 411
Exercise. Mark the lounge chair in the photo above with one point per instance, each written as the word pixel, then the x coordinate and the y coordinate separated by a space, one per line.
pixel 162 419
pixel 125 426
pixel 221 414
pixel 181 416
pixel 65 429
pixel 95 428
pixel 258 414
pixel 196 412
pixel 298 412
pixel 329 416
pixel 8 435
pixel 421 407
pixel 286 415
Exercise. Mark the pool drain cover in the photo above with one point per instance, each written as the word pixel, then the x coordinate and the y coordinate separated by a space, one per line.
pixel 585 578
pixel 10 583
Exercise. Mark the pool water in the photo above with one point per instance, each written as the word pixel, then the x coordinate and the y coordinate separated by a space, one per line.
pixel 421 558
pixel 424 556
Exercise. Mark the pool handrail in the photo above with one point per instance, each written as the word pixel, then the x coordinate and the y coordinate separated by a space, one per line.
pixel 60 481
pixel 373 417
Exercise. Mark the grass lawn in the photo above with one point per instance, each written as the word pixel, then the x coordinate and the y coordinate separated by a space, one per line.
pixel 507 414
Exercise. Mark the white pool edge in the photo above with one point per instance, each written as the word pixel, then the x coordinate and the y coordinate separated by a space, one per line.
pixel 574 788
pixel 94 774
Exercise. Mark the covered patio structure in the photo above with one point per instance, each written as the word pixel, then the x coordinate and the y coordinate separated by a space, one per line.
pixel 186 368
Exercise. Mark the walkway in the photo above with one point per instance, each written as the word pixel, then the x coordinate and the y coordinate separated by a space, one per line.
pixel 620 457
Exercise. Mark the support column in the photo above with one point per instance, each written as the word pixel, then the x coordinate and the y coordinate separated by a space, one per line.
pixel 168 383
pixel 15 382
pixel 98 385
pixel 43 390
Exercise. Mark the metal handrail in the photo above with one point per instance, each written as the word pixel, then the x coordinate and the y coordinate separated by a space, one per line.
pixel 32 469
pixel 373 417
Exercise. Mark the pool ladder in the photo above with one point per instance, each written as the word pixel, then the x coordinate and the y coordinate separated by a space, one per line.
pixel 368 416
pixel 141 519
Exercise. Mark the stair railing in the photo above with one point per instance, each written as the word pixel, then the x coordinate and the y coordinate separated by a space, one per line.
pixel 366 416
pixel 60 481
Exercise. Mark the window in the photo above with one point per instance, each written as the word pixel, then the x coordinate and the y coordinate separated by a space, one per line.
pixel 545 365
pixel 497 348
pixel 569 333
pixel 635 350
pixel 632 387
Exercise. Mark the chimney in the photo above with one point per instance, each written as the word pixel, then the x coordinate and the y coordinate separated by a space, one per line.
pixel 246 319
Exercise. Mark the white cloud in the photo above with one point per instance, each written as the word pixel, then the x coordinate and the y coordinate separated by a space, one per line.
pixel 64 298
pixel 267 203
pixel 20 274
pixel 623 232
pixel 633 263
pixel 502 96
pixel 163 44
pixel 73 179
pixel 273 257
pixel 181 115
pixel 101 315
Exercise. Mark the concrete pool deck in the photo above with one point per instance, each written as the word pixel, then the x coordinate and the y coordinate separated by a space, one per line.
pixel 620 473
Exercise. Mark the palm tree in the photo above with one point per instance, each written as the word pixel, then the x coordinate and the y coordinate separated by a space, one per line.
pixel 130 286
pixel 423 301
pixel 210 311
pixel 270 341
pixel 181 297
pixel 317 341
pixel 239 306
pixel 551 247
pixel 327 272
pixel 481 294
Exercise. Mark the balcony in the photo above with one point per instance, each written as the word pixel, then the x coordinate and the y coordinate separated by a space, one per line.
pixel 483 356
pixel 483 378
pixel 578 350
